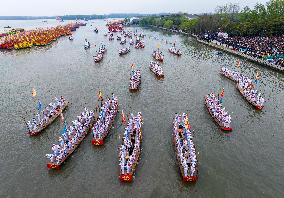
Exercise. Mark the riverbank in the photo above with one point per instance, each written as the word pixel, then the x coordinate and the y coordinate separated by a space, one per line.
pixel 242 55
pixel 226 49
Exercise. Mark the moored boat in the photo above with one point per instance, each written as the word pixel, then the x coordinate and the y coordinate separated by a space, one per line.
pixel 104 122
pixel 47 116
pixel 217 112
pixel 19 39
pixel 135 80
pixel 156 69
pixel 71 139
pixel 185 148
pixel 129 151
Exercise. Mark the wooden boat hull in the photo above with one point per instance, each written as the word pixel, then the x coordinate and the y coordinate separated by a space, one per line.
pixel 97 142
pixel 124 53
pixel 126 178
pixel 187 179
pixel 98 60
pixel 157 75
pixel 175 53
pixel 57 166
pixel 136 85
pixel 258 107
pixel 134 90
pixel 34 133
pixel 223 128
pixel 53 166
pixel 100 142
pixel 229 77
pixel 159 59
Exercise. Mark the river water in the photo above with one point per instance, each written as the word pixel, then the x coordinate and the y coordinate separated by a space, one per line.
pixel 247 162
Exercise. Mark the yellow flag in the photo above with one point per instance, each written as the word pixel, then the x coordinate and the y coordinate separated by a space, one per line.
pixel 33 92
pixel 100 94
pixel 158 46
pixel 238 64
pixel 257 76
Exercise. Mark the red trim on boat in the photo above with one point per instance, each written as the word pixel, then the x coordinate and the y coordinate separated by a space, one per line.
pixel 126 178
pixel 53 166
pixel 32 133
pixel 190 178
pixel 259 107
pixel 97 142
pixel 227 128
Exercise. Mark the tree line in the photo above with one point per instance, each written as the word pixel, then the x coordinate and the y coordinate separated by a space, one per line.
pixel 263 20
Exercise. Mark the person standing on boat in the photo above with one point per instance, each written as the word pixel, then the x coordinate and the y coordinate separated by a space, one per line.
pixel 29 126
pixel 222 95
pixel 257 77
pixel 87 44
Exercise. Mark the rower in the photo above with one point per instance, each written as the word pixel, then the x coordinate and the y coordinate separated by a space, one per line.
pixel 87 43
pixel 180 131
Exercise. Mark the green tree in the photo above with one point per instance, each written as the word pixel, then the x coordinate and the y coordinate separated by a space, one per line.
pixel 168 24
pixel 188 25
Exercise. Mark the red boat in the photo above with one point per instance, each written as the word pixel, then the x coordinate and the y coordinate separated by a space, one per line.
pixel 115 28
pixel 50 120
pixel 223 125
pixel 130 149
pixel 183 140
pixel 140 45
pixel 256 105
pixel 57 164
pixel 103 125
pixel 156 69
pixel 135 80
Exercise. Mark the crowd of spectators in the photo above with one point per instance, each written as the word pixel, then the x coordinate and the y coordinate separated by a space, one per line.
pixel 270 49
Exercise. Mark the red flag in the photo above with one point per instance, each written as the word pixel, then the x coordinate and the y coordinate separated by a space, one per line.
pixel 123 118
pixel 222 93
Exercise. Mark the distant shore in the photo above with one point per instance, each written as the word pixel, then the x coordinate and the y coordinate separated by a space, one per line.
pixel 225 49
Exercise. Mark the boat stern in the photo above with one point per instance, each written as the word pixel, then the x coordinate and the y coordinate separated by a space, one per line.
pixel 97 142
pixel 189 178
pixel 259 107
pixel 227 129
pixel 126 178
pixel 32 133
pixel 53 166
